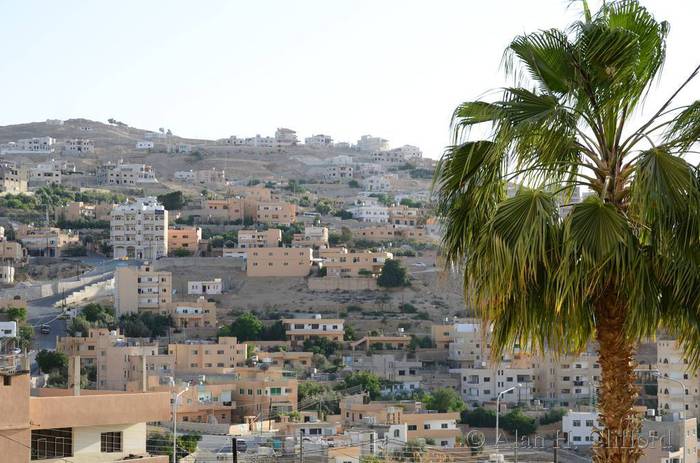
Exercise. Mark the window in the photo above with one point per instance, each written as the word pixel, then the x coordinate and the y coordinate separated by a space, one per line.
pixel 110 442
pixel 397 433
pixel 443 425
pixel 275 391
pixel 412 427
pixel 426 426
pixel 52 443
pixel 577 423
pixel 589 423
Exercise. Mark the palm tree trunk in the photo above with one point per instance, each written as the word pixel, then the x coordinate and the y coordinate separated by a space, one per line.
pixel 618 437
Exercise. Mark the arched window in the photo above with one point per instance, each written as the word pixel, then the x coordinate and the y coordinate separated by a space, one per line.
pixel 397 433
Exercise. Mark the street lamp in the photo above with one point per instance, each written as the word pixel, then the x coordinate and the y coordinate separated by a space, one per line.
pixel 673 380
pixel 498 408
pixel 175 399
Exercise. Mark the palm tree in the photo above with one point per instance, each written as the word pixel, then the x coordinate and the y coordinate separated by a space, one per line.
pixel 550 272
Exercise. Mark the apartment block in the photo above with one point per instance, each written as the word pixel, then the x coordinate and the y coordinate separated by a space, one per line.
pixel 279 262
pixel 12 253
pixel 137 288
pixel 404 216
pixel 402 374
pixel 312 237
pixel 269 238
pixel 46 173
pixel 297 330
pixel 678 384
pixel 319 140
pixel 205 403
pixel 369 211
pixel 340 262
pixel 72 425
pixel 298 361
pixel 285 137
pixel 201 356
pixel 370 144
pixel 121 363
pixel 12 179
pixel 78 146
pixel 186 238
pixel 190 315
pixel 265 392
pixel 41 145
pixel 139 229
pixel 214 286
pixel 211 176
pixel 381 342
pixel 125 174
pixel 338 173
pixel 276 213
pixel 75 211
pixel 421 424
pixel 229 209
pixel 392 232
pixel 46 242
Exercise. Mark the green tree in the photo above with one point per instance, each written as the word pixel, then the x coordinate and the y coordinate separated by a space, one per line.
pixel 444 400
pixel 274 332
pixel 79 326
pixel 393 275
pixel 319 345
pixel 369 381
pixel 310 388
pixel 97 313
pixel 172 201
pixel 516 420
pixel 247 327
pixel 349 334
pixel 324 207
pixel 613 268
pixel 17 314
pixel 354 184
pixel 50 361
pixel 479 418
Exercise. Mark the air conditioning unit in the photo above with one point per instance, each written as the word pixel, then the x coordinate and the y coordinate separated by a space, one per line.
pixel 651 412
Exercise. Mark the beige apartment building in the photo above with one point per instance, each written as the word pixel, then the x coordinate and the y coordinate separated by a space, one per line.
pixel 125 174
pixel 141 288
pixel 392 232
pixel 139 229
pixel 298 330
pixel 678 384
pixel 276 213
pixel 78 210
pixel 186 238
pixel 229 209
pixel 442 335
pixel 201 356
pixel 279 262
pixel 557 381
pixel 404 216
pixel 190 315
pixel 339 262
pixel 46 242
pixel 121 363
pixel 297 361
pixel 12 179
pixel 420 424
pixel 312 237
pixel 366 343
pixel 205 403
pixel 261 392
pixel 59 425
pixel 12 252
pixel 269 238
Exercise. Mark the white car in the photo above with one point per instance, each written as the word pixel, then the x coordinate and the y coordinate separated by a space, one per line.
pixel 419 264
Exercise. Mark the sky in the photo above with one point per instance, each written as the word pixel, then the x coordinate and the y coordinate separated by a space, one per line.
pixel 215 68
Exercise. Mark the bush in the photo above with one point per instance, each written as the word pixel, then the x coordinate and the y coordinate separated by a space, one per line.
pixel 444 400
pixel 552 416
pixel 172 201
pixel 319 345
pixel 51 361
pixel 369 382
pixel 182 252
pixel 16 314
pixel 479 418
pixel 354 184
pixel 516 420
pixel 407 307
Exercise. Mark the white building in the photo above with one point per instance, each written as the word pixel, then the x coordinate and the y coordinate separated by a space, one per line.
pixel 319 140
pixel 370 212
pixel 144 145
pixel 50 172
pixel 379 183
pixel 285 137
pixel 8 329
pixel 337 173
pixel 139 230
pixel 678 383
pixel 411 152
pixel 578 428
pixel 7 274
pixel 30 145
pixel 342 160
pixel 125 174
pixel 370 144
pixel 78 146
pixel 205 287
pixel 397 156
pixel 12 178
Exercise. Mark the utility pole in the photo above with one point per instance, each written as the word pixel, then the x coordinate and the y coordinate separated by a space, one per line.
pixel 234 449
pixel 556 450
pixel 301 446
pixel 515 449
